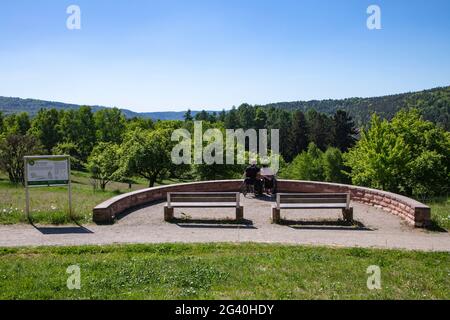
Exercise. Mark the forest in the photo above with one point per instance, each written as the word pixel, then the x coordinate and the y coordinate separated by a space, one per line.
pixel 434 105
pixel 406 154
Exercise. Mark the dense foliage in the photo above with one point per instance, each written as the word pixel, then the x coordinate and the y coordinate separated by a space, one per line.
pixel 434 105
pixel 407 154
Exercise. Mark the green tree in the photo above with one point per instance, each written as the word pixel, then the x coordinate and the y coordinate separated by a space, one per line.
pixel 334 169
pixel 380 157
pixel 344 131
pixel 147 154
pixel 407 155
pixel 134 123
pixel 71 149
pixel 298 137
pixel 103 163
pixel 232 119
pixel 202 116
pixel 2 123
pixel 221 116
pixel 13 148
pixel 320 129
pixel 110 125
pixel 246 114
pixel 78 127
pixel 260 119
pixel 188 115
pixel 45 128
pixel 307 165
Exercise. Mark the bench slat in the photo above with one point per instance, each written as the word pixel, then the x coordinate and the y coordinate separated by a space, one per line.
pixel 203 205
pixel 202 199
pixel 313 195
pixel 313 206
pixel 313 200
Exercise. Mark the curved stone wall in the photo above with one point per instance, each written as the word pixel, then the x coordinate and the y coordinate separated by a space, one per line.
pixel 412 211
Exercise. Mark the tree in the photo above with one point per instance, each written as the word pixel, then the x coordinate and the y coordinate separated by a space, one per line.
pixel 260 119
pixel 2 124
pixel 379 159
pixel 320 129
pixel 147 154
pixel 78 127
pixel 344 131
pixel 407 155
pixel 134 123
pixel 334 169
pixel 45 128
pixel 13 148
pixel 17 123
pixel 71 149
pixel 103 163
pixel 246 114
pixel 221 116
pixel 202 116
pixel 232 119
pixel 188 115
pixel 282 120
pixel 110 125
pixel 316 165
pixel 307 165
pixel 298 138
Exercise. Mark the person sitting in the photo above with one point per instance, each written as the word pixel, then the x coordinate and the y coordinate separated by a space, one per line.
pixel 251 176
pixel 268 178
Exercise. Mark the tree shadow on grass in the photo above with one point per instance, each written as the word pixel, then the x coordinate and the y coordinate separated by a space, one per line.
pixel 325 225
pixel 435 227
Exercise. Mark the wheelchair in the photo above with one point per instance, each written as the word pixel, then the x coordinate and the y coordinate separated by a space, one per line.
pixel 248 186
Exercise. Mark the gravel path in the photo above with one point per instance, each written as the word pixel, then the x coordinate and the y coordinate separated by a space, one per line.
pixel 315 227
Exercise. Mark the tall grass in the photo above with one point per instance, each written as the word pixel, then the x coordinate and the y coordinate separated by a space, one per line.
pixel 50 205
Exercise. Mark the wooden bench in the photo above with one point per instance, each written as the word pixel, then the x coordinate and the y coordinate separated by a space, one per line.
pixel 202 200
pixel 312 201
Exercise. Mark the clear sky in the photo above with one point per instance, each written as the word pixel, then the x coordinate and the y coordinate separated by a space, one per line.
pixel 173 54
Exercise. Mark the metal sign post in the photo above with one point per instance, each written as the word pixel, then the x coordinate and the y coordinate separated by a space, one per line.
pixel 47 171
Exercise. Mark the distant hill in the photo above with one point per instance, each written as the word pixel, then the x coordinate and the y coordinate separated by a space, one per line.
pixel 434 104
pixel 32 106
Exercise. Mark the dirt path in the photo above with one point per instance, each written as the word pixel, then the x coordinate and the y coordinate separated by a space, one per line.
pixel 376 229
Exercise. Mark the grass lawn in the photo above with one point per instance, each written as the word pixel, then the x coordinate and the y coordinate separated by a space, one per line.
pixel 50 205
pixel 221 271
pixel 440 211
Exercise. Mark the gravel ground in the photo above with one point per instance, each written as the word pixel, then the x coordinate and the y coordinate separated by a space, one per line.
pixel 374 228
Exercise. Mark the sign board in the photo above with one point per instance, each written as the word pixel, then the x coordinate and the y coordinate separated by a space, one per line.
pixel 47 171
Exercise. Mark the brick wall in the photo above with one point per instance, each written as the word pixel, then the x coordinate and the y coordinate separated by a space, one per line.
pixel 412 211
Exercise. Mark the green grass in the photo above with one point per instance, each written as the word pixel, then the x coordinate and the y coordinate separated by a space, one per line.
pixel 221 271
pixel 50 205
pixel 440 211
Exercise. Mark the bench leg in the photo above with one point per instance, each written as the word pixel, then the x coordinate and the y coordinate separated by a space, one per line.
pixel 276 217
pixel 348 214
pixel 239 213
pixel 168 214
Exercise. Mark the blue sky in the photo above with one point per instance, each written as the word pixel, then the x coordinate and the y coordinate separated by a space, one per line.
pixel 171 55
